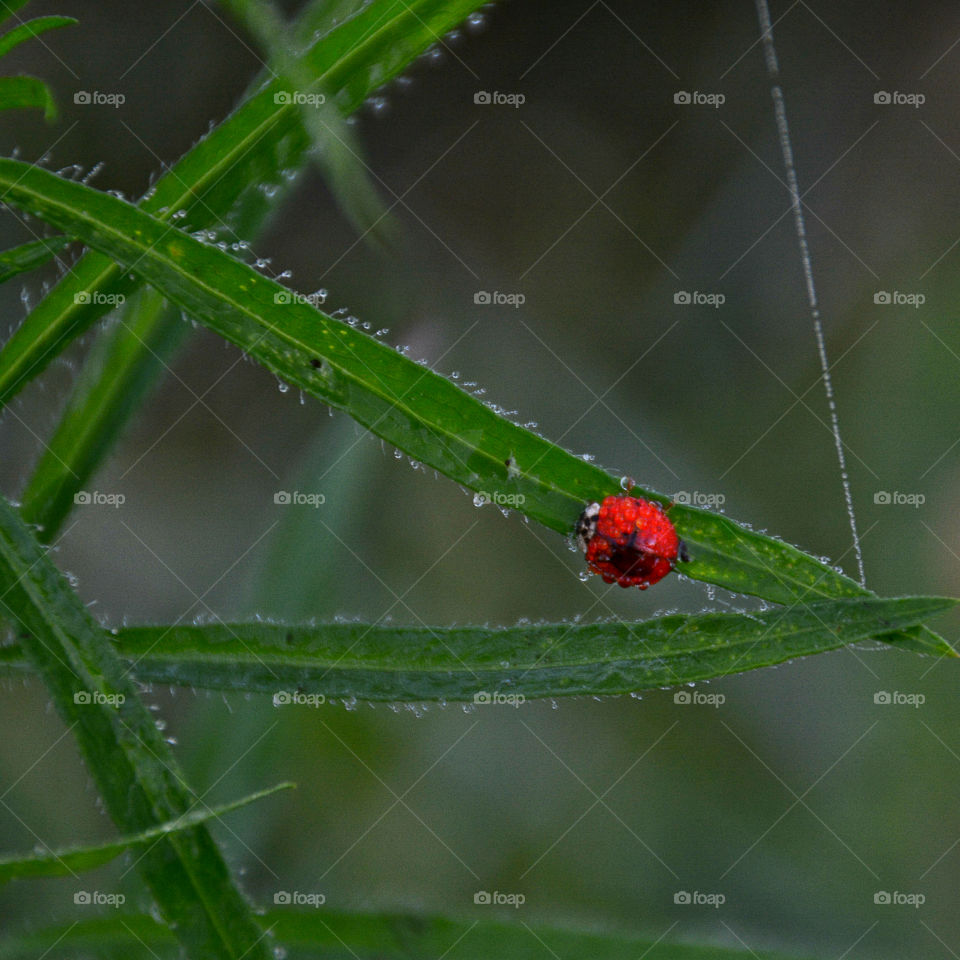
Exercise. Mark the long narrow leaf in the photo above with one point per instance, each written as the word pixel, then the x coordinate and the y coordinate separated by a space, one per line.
pixel 17 93
pixel 238 165
pixel 29 256
pixel 332 935
pixel 117 374
pixel 415 409
pixel 30 29
pixel 379 40
pixel 368 662
pixel 134 769
pixel 9 7
pixel 59 863
pixel 336 148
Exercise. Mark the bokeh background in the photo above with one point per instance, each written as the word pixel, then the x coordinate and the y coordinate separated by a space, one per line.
pixel 598 200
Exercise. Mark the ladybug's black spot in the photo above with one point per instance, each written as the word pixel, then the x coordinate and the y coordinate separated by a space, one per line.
pixel 316 363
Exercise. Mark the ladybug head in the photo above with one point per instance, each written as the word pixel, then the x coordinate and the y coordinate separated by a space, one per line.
pixel 587 525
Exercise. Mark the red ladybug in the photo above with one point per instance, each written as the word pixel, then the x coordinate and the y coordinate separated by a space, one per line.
pixel 629 540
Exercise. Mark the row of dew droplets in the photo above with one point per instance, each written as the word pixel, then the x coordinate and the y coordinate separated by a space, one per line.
pixel 378 104
pixel 786 149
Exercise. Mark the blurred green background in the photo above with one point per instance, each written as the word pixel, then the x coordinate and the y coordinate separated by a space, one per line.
pixel 598 200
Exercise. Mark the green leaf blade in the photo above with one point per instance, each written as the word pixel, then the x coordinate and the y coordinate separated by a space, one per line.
pixel 126 754
pixel 375 663
pixel 19 93
pixel 417 410
pixel 327 934
pixel 30 29
pixel 30 256
pixel 58 863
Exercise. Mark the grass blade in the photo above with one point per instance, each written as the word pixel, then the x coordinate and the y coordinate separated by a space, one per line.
pixel 58 863
pixel 417 410
pixel 29 256
pixel 379 41
pixel 335 146
pixel 376 663
pixel 17 93
pixel 229 168
pixel 9 7
pixel 126 754
pixel 30 29
pixel 117 374
pixel 328 934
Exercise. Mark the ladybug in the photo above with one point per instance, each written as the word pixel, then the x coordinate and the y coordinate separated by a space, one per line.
pixel 629 540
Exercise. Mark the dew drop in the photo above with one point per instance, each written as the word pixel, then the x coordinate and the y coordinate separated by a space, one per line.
pixel 378 106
